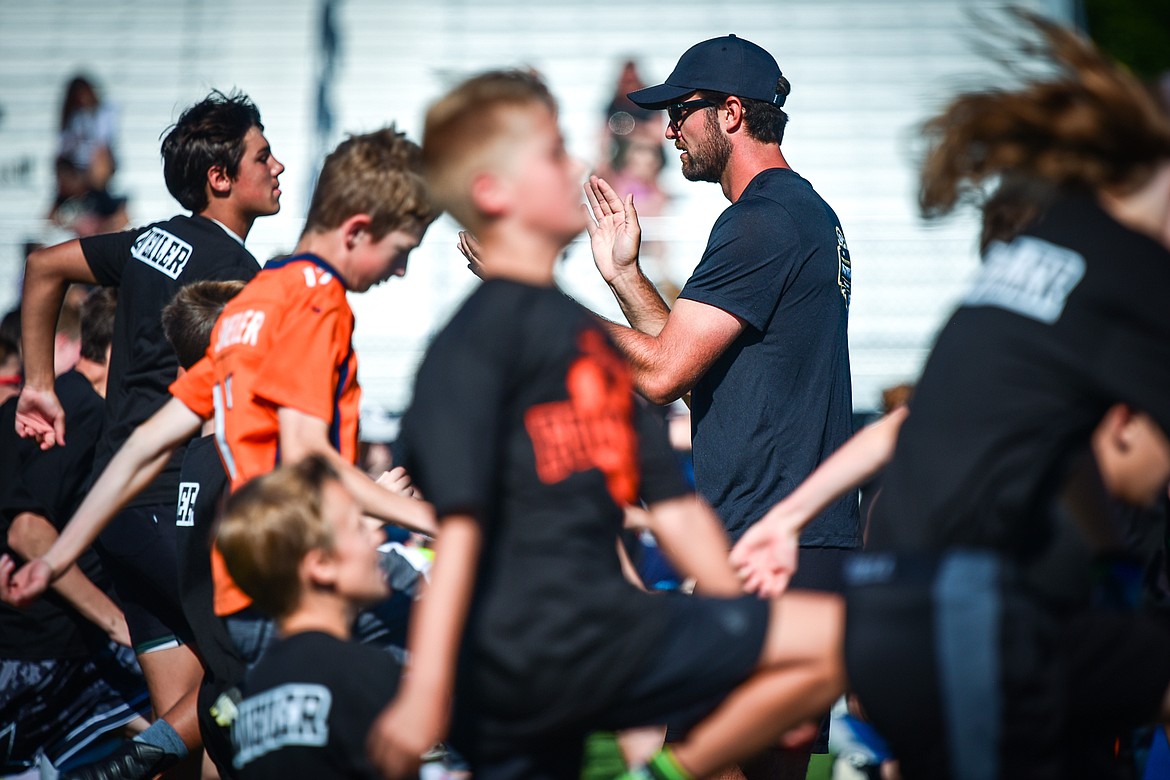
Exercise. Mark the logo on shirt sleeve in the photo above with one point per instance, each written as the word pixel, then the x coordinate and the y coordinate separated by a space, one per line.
pixel 162 251
pixel 844 267
pixel 1029 276
pixel 185 512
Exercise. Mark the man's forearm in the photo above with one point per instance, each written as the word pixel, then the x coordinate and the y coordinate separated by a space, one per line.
pixel 640 302
pixel 43 295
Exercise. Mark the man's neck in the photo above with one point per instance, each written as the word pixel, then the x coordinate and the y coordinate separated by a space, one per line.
pixel 223 213
pixel 96 373
pixel 748 159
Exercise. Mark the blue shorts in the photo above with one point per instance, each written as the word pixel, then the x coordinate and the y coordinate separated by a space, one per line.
pixel 61 706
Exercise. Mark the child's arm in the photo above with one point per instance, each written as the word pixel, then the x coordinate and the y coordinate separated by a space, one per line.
pixel 31 535
pixel 691 537
pixel 135 465
pixel 303 434
pixel 47 274
pixel 417 718
pixel 766 555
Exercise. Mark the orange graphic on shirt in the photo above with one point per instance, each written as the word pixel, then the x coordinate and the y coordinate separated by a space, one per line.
pixel 593 428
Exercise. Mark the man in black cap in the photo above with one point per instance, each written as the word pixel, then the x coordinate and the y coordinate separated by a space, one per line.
pixel 758 336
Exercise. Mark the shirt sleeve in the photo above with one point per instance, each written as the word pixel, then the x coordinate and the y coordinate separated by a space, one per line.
pixel 194 388
pixel 51 482
pixel 302 370
pixel 662 477
pixel 453 428
pixel 108 254
pixel 753 252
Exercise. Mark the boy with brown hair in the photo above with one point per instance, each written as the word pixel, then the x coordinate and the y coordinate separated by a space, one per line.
pixel 295 541
pixel 525 435
pixel 280 374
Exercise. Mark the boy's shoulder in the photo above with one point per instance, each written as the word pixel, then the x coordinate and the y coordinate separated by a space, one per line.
pixel 286 287
pixel 316 657
pixel 502 308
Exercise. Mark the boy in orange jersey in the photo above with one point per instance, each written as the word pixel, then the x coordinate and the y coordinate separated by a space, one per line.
pixel 280 375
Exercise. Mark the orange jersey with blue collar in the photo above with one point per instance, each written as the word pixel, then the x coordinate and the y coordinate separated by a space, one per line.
pixel 284 342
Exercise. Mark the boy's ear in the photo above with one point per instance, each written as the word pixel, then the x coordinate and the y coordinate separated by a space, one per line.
pixel 319 568
pixel 488 195
pixel 354 227
pixel 218 180
pixel 1117 428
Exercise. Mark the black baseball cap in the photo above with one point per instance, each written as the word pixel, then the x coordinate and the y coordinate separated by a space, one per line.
pixel 729 65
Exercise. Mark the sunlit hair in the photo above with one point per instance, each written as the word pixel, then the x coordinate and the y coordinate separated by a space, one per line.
pixel 208 134
pixel 269 525
pixel 190 316
pixel 97 323
pixel 378 174
pixel 1087 124
pixel 466 129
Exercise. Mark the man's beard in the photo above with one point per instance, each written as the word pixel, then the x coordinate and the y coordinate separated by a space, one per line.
pixel 706 161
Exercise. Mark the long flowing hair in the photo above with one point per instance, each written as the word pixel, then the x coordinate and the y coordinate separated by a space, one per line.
pixel 1086 124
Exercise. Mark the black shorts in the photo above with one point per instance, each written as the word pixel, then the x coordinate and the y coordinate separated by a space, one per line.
pixel 710 647
pixel 138 552
pixel 61 706
pixel 819 569
pixel 967 674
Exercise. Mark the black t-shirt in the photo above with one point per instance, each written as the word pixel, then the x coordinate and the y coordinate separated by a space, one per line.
pixel 308 705
pixel 1060 324
pixel 148 266
pixel 49 483
pixel 203 483
pixel 779 400
pixel 523 415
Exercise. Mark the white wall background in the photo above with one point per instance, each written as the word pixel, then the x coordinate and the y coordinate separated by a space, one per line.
pixel 865 73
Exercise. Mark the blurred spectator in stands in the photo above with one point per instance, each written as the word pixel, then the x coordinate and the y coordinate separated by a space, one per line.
pixel 85 164
pixel 632 156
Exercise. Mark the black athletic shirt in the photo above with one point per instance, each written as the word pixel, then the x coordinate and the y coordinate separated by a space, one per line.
pixel 308 705
pixel 148 266
pixel 779 400
pixel 523 415
pixel 49 483
pixel 1066 320
pixel 203 483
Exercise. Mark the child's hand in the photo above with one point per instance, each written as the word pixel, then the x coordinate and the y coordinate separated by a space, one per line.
pixel 28 583
pixel 396 480
pixel 469 248
pixel 614 233
pixel 765 558
pixel 39 415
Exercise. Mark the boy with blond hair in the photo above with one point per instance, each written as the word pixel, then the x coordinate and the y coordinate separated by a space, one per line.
pixel 280 374
pixel 295 541
pixel 525 434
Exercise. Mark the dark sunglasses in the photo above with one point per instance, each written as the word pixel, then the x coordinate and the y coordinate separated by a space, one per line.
pixel 678 112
